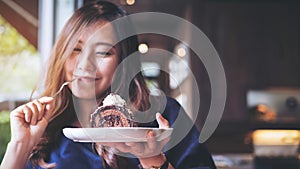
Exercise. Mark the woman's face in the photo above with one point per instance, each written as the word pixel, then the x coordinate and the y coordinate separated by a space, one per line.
pixel 93 62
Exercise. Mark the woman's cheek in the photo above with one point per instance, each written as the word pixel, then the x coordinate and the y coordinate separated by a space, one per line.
pixel 70 66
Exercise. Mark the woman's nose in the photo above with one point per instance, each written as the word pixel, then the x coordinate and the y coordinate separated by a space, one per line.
pixel 86 61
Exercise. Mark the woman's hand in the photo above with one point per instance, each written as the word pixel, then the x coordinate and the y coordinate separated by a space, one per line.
pixel 157 158
pixel 149 153
pixel 29 121
pixel 152 147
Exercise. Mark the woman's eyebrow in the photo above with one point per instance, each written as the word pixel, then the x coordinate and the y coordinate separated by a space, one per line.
pixel 100 43
pixel 105 44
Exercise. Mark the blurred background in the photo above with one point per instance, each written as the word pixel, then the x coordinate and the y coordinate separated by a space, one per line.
pixel 258 42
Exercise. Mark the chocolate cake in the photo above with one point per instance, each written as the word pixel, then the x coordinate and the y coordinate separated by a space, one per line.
pixel 113 113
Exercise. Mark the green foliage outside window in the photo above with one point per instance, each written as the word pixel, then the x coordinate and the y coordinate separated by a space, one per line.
pixel 19 62
pixel 11 42
pixel 19 72
pixel 4 132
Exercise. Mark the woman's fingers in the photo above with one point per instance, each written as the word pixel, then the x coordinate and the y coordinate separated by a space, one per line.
pixel 47 106
pixel 119 146
pixel 34 111
pixel 162 122
pixel 27 113
pixel 136 147
pixel 165 141
pixel 151 141
pixel 40 108
pixel 46 100
pixel 146 149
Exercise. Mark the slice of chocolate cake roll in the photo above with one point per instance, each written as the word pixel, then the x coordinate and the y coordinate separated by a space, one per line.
pixel 113 113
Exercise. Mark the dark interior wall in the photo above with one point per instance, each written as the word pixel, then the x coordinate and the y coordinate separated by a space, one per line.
pixel 258 43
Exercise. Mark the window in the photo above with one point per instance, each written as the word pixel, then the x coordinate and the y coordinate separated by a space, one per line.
pixel 19 65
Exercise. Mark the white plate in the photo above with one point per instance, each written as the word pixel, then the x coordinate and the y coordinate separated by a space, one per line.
pixel 115 134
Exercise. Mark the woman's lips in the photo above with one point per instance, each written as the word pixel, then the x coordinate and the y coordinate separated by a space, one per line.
pixel 88 79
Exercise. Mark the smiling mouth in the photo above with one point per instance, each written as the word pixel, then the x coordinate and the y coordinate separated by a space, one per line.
pixel 88 79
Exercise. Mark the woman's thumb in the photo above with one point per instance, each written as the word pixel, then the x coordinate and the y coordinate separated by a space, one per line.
pixel 46 100
pixel 162 122
pixel 48 103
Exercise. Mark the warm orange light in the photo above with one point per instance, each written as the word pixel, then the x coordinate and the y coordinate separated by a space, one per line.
pixel 143 48
pixel 181 52
pixel 130 2
pixel 276 137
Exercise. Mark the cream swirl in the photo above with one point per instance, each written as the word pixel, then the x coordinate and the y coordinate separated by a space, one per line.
pixel 114 99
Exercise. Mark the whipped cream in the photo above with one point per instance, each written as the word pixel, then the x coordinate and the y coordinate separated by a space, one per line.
pixel 114 99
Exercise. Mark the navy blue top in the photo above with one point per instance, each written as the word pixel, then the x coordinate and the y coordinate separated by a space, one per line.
pixel 187 154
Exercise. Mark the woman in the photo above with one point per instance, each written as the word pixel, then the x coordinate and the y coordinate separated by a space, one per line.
pixel 87 55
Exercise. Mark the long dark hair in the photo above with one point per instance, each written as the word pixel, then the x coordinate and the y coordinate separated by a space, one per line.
pixel 64 113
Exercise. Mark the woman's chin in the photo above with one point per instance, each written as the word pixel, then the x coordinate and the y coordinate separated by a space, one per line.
pixel 84 95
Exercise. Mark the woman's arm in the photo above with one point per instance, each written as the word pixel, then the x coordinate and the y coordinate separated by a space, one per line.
pixel 16 155
pixel 28 122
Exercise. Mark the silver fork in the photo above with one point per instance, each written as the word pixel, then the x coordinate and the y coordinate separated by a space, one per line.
pixel 62 86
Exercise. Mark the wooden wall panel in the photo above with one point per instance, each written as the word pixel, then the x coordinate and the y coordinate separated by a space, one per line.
pixel 258 43
pixel 29 29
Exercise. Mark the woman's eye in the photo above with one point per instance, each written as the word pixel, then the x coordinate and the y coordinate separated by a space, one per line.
pixel 103 53
pixel 76 50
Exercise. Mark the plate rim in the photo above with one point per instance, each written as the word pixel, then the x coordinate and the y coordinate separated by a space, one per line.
pixel 67 131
